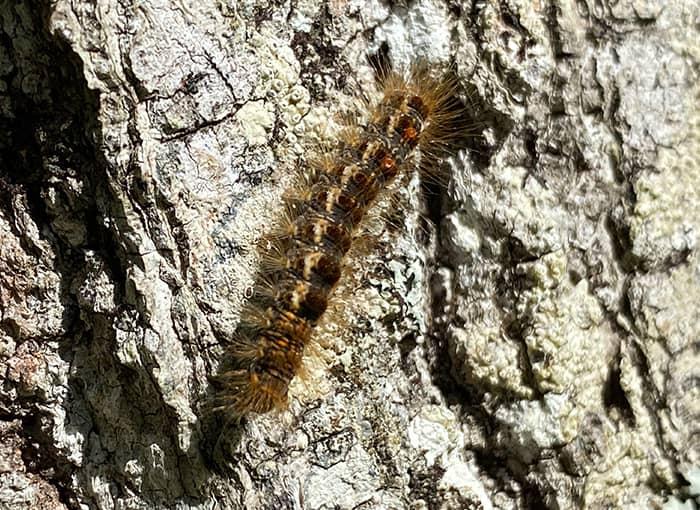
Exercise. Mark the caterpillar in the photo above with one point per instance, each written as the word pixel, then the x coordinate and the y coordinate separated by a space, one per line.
pixel 418 114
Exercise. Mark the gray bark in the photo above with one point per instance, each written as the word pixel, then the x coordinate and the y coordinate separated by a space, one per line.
pixel 529 340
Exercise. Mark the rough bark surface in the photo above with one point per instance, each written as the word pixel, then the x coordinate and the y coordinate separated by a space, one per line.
pixel 529 340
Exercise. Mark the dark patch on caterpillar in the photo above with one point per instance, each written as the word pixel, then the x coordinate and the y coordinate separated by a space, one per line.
pixel 303 258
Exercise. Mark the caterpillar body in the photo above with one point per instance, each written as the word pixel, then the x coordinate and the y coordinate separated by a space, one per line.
pixel 304 256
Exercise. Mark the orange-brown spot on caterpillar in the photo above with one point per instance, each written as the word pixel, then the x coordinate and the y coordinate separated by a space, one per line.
pixel 387 162
pixel 409 135
pixel 387 165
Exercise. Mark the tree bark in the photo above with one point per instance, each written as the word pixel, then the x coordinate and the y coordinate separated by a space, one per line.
pixel 527 338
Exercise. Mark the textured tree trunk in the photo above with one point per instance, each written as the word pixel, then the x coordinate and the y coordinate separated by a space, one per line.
pixel 528 338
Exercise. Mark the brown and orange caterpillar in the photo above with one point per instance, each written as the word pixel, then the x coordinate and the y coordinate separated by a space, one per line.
pixel 305 254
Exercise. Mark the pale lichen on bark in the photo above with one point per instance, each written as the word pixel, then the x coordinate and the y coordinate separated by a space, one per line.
pixel 529 340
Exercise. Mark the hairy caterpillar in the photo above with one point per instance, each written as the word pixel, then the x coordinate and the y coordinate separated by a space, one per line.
pixel 303 260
